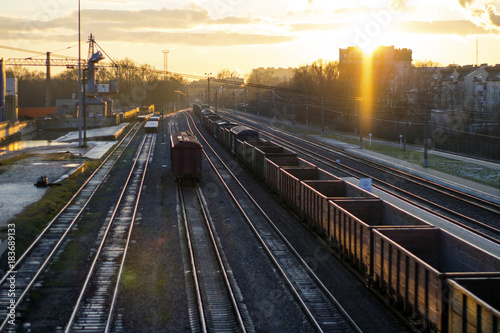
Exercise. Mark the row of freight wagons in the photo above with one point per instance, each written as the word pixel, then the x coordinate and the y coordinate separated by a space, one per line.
pixel 439 280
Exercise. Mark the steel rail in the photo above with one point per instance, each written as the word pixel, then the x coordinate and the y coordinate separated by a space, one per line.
pixel 222 264
pixel 269 252
pixel 127 243
pixel 355 173
pixel 483 203
pixel 103 241
pixel 194 269
pixel 49 256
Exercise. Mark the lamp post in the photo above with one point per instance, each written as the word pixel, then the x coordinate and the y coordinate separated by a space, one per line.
pixel 208 87
pixel 80 102
pixel 359 100
pixel 84 111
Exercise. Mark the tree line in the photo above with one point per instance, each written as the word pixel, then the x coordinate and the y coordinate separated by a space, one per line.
pixel 137 84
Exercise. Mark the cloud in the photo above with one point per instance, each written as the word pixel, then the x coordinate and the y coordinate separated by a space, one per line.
pixel 465 3
pixel 457 27
pixel 482 13
pixel 193 26
pixel 493 16
pixel 317 26
pixel 220 39
pixel 399 4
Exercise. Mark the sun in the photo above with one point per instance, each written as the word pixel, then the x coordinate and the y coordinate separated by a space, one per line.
pixel 368 48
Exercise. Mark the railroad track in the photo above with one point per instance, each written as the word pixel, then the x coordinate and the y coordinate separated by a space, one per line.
pixel 322 309
pixel 23 274
pixel 95 307
pixel 446 202
pixel 215 303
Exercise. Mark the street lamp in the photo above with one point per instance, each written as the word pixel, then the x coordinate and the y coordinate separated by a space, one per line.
pixel 80 102
pixel 208 88
pixel 360 100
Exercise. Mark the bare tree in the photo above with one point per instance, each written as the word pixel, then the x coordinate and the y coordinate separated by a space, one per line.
pixel 226 73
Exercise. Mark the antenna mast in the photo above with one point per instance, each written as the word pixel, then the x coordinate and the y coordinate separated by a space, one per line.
pixel 165 60
pixel 477 51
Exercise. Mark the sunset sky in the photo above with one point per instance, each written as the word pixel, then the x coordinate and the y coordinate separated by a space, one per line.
pixel 209 35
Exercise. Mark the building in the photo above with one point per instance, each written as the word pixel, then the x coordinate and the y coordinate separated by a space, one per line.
pixel 273 76
pixel 390 72
pixel 473 88
pixel 488 90
pixel 385 58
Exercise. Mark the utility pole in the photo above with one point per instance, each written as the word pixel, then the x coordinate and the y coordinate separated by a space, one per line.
pixel 359 100
pixel 235 100
pixel 426 140
pixel 208 88
pixel 323 115
pixel 80 102
pixel 84 111
pixel 307 109
pixel 48 88
pixel 216 101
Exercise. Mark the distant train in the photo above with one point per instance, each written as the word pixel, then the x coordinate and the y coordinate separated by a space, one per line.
pixel 144 117
pixel 186 155
pixel 441 282
pixel 151 126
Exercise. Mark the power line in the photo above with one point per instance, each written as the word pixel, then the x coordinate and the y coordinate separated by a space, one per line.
pixel 34 52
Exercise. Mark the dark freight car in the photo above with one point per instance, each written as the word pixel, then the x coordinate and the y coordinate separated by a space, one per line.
pixel 474 305
pixel 151 126
pixel 197 110
pixel 412 265
pixel 261 153
pixel 352 220
pixel 241 134
pixel 185 156
pixel 273 169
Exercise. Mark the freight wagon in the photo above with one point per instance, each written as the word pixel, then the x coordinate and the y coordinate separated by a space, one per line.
pixel 238 135
pixel 144 117
pixel 291 183
pixel 350 226
pixel 441 282
pixel 151 126
pixel 185 156
pixel 474 305
pixel 197 110
pixel 411 267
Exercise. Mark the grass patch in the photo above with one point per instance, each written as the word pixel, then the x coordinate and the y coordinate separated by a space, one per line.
pixel 14 159
pixel 70 259
pixel 449 166
pixel 470 171
pixel 33 219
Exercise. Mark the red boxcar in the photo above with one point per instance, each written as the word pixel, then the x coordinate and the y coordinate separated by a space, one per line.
pixel 185 156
